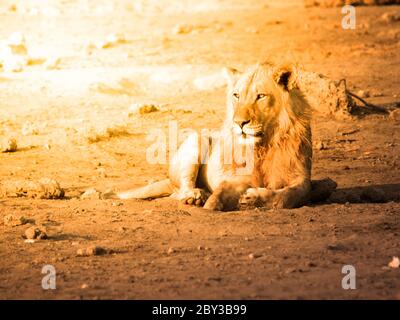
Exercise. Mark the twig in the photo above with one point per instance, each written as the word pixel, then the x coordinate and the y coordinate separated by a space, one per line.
pixel 367 104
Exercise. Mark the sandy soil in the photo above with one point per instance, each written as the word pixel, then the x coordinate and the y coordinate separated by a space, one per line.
pixel 171 56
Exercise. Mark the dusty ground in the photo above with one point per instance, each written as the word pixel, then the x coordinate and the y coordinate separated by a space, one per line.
pixel 162 249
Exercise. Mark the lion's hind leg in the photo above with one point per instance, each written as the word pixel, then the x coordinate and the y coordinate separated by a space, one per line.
pixel 157 189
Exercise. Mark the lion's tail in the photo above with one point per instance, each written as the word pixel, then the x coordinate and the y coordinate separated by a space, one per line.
pixel 157 189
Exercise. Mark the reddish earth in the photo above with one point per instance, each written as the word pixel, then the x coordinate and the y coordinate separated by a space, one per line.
pixel 164 249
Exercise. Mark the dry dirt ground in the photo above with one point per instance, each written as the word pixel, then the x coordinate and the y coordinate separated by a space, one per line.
pixel 72 123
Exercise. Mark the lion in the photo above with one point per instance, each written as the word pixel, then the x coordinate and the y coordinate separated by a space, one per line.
pixel 268 119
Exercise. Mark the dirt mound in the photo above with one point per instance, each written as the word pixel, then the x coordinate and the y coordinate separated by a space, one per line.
pixel 325 95
pixel 45 188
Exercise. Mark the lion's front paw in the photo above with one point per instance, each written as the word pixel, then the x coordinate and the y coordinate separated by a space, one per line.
pixel 250 197
pixel 258 197
pixel 195 197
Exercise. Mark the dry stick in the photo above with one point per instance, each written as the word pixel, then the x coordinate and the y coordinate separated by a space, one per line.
pixel 370 105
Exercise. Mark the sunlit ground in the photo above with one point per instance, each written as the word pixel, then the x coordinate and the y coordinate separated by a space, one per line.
pixel 72 76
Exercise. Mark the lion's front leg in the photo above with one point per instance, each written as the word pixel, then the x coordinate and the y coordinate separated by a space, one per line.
pixel 288 197
pixel 184 169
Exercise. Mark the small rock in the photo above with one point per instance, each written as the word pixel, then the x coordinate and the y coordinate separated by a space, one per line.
pixel 95 251
pixel 182 29
pixel 91 251
pixel 390 17
pixel 52 63
pixel 35 233
pixel 170 250
pixel 111 41
pixel 91 194
pixel 200 248
pixel 336 247
pixel 11 220
pixel 363 94
pixel 395 114
pixel 138 108
pixel 290 270
pixel 254 256
pixel 117 204
pixel 395 263
pixel 9 145
pixel 376 93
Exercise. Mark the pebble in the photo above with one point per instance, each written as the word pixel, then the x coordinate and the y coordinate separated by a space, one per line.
pixel 254 256
pixel 117 204
pixel 390 17
pixel 182 29
pixel 395 263
pixel 91 194
pixel 35 232
pixel 9 145
pixel 363 94
pixel 395 115
pixel 335 247
pixel 91 251
pixel 137 108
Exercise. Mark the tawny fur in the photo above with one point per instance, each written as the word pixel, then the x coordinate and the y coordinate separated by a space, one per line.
pixel 280 124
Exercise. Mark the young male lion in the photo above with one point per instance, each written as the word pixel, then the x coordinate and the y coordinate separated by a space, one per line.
pixel 267 119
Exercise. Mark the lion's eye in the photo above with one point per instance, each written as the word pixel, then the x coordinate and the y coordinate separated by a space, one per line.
pixel 236 95
pixel 261 96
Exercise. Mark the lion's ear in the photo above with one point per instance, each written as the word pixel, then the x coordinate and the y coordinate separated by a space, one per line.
pixel 286 77
pixel 231 75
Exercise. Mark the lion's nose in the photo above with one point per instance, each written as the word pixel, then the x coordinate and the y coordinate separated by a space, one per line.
pixel 241 123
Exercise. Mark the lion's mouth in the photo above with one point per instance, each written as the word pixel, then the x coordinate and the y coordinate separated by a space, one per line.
pixel 250 138
pixel 249 134
pixel 252 134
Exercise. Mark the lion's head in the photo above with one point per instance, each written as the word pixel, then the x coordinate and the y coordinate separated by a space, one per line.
pixel 261 100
